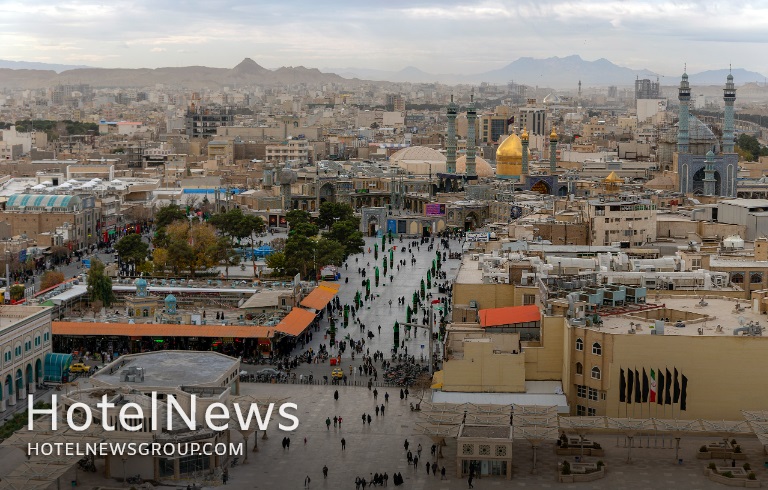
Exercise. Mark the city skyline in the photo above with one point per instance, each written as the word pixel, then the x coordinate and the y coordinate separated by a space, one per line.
pixel 436 37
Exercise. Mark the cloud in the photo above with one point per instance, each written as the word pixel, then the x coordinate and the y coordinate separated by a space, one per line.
pixel 440 36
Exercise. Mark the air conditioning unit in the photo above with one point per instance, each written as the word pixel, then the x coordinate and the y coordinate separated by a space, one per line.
pixel 473 303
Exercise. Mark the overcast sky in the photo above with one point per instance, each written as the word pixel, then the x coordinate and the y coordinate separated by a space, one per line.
pixel 437 36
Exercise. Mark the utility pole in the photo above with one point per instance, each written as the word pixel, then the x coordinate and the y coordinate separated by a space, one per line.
pixel 429 329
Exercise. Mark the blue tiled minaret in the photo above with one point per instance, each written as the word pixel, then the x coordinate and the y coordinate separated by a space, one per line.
pixel 709 174
pixel 450 139
pixel 684 96
pixel 471 121
pixel 729 96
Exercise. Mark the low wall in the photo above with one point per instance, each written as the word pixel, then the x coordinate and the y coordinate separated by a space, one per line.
pixel 721 455
pixel 584 477
pixel 731 482
pixel 576 451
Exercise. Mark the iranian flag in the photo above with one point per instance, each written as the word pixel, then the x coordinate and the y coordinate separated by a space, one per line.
pixel 652 398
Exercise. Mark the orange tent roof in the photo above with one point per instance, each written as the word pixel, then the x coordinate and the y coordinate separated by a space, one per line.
pixel 321 296
pixel 295 322
pixel 161 330
pixel 494 317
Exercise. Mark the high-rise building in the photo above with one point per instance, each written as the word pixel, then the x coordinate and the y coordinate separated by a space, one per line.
pixel 646 89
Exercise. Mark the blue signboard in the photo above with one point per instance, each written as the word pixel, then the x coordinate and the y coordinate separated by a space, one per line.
pixel 392 226
pixel 23 256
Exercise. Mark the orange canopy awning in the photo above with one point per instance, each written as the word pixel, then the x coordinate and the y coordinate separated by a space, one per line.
pixel 321 296
pixel 295 322
pixel 162 330
pixel 494 317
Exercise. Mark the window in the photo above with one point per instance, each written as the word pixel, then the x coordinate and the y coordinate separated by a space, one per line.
pixel 581 391
pixel 579 368
pixel 595 372
pixel 581 410
pixel 592 394
pixel 591 412
pixel 756 277
pixel 529 299
pixel 596 349
pixel 579 344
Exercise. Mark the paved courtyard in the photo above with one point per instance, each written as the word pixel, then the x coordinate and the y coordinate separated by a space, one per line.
pixel 379 448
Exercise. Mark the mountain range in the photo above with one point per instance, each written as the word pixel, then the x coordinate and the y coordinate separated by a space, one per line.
pixel 555 72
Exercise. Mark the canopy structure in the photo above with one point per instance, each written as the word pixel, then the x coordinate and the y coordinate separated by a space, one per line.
pixel 56 366
pixel 161 330
pixel 295 322
pixel 321 295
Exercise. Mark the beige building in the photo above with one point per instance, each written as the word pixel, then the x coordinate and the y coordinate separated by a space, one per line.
pixel 288 151
pixel 611 221
pixel 25 339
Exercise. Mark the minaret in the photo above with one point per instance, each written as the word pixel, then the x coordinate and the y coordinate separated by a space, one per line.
pixel 729 96
pixel 450 139
pixel 552 152
pixel 524 141
pixel 684 96
pixel 709 174
pixel 471 120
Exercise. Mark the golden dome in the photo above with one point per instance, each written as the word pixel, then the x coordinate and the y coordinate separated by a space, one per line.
pixel 553 134
pixel 524 135
pixel 613 179
pixel 510 150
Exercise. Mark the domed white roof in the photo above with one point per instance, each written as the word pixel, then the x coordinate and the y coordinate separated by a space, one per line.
pixel 417 153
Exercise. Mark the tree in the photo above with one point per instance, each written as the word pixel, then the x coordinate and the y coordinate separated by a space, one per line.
pixel 347 233
pixel 132 249
pixel 330 212
pixel 191 248
pixel 168 214
pixel 51 279
pixel 159 259
pixel 297 216
pixel 750 147
pixel 99 284
pixel 304 228
pixel 277 262
pixel 328 252
pixel 299 253
pixel 226 253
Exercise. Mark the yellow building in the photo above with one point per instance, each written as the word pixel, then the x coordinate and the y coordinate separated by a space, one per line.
pixel 509 158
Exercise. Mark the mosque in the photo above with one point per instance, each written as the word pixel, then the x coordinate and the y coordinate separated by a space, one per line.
pixel 713 173
pixel 512 164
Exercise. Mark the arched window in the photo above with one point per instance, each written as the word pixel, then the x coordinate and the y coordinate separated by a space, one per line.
pixel 596 349
pixel 595 372
pixel 737 277
pixel 579 368
pixel 756 277
pixel 579 344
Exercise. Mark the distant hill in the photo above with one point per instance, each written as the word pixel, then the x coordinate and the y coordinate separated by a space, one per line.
pixel 717 77
pixel 564 72
pixel 193 77
pixel 34 65
pixel 552 72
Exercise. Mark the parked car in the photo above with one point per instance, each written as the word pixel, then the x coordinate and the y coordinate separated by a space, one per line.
pixel 337 373
pixel 79 367
pixel 269 373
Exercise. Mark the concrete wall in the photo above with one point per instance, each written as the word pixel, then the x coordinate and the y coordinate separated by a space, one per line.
pixel 483 370
pixel 544 359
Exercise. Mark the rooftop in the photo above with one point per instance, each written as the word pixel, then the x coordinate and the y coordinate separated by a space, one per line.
pixel 717 311
pixel 171 368
pixel 11 315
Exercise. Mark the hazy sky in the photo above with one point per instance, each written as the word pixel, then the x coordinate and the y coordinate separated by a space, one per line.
pixel 438 36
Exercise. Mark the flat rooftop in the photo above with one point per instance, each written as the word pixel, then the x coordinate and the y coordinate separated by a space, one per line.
pixel 11 315
pixel 170 368
pixel 719 311
pixel 469 271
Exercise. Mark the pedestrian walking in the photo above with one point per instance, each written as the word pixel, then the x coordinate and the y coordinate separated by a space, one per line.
pixel 328 423
pixel 369 419
pixel 402 394
pixel 386 397
pixel 442 473
pixel 363 419
pixel 336 395
pixel 469 480
pixel 306 481
pixel 405 444
pixel 375 394
pixel 325 472
pixel 427 465
pixel 377 410
pixel 339 421
pixel 382 409
pixel 418 449
pixel 343 444
pixel 415 461
pixel 434 468
pixel 406 393
pixel 335 420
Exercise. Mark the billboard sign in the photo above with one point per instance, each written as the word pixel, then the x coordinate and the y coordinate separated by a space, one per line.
pixel 435 209
pixel 478 236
